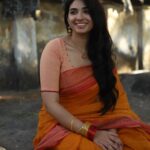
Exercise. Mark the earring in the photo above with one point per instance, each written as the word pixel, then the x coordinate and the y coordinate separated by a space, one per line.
pixel 69 30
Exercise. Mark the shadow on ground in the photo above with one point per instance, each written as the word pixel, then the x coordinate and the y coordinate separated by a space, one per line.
pixel 19 111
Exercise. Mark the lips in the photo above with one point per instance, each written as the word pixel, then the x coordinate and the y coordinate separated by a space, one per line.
pixel 81 25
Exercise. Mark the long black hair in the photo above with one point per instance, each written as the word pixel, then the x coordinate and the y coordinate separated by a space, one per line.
pixel 99 50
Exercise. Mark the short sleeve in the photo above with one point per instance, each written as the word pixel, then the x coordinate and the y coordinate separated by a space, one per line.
pixel 50 67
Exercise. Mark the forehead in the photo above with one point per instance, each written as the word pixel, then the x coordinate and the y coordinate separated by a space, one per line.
pixel 77 4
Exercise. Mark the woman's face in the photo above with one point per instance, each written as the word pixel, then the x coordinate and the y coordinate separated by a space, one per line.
pixel 79 18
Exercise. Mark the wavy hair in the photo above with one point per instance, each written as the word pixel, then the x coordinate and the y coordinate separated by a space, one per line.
pixel 99 50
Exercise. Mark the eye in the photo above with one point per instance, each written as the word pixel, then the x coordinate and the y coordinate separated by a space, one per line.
pixel 86 11
pixel 72 11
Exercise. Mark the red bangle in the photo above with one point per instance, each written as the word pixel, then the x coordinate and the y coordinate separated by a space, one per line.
pixel 91 132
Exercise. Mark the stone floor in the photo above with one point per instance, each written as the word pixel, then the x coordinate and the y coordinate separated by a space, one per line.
pixel 19 111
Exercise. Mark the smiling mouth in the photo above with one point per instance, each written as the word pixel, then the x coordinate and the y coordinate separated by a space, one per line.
pixel 81 24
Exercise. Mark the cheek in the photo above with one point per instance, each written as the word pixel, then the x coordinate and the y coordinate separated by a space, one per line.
pixel 70 20
pixel 91 23
pixel 90 20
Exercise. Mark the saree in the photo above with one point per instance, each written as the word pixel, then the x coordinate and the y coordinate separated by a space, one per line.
pixel 78 94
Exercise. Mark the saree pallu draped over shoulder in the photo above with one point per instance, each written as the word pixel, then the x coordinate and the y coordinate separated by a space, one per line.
pixel 78 94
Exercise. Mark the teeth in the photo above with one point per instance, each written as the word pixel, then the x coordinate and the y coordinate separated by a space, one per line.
pixel 81 24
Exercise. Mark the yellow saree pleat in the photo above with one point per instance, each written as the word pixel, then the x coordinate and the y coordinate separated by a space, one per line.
pixel 134 139
pixel 76 142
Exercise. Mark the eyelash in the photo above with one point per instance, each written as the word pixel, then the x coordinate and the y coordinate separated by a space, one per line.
pixel 73 12
pixel 86 11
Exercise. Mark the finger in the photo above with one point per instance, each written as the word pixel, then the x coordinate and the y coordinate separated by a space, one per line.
pixel 113 145
pixel 121 146
pixel 116 140
pixel 113 130
pixel 108 144
pixel 103 147
pixel 113 133
pixel 117 147
pixel 109 147
pixel 117 143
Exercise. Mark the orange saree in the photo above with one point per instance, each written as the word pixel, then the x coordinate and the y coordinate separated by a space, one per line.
pixel 78 94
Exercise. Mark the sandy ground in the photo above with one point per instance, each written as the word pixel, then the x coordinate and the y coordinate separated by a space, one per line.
pixel 19 111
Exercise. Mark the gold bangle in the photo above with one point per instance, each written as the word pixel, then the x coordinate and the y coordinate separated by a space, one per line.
pixel 71 124
pixel 84 129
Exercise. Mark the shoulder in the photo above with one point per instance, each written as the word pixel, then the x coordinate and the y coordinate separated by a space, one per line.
pixel 54 43
pixel 53 46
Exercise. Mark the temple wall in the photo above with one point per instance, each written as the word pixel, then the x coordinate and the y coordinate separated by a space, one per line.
pixel 123 29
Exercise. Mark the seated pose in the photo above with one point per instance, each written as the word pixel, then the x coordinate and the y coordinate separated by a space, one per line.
pixel 84 104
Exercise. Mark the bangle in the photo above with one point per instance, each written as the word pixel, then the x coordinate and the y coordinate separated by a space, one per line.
pixel 71 124
pixel 91 132
pixel 84 129
pixel 88 130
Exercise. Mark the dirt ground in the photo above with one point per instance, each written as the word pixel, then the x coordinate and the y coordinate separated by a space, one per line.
pixel 18 119
pixel 19 111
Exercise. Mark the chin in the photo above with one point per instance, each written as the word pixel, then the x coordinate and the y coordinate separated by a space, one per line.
pixel 82 32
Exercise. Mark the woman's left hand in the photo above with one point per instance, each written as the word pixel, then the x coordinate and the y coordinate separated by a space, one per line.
pixel 115 131
pixel 108 140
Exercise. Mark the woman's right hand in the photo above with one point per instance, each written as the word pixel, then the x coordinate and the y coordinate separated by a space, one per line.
pixel 108 140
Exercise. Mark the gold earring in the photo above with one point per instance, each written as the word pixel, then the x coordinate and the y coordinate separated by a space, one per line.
pixel 69 30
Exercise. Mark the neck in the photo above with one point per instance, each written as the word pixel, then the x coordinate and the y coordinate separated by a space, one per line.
pixel 79 40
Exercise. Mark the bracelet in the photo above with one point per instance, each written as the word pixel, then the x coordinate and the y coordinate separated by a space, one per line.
pixel 91 132
pixel 84 129
pixel 88 130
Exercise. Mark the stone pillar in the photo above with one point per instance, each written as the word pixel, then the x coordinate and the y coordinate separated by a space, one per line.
pixel 25 51
pixel 140 37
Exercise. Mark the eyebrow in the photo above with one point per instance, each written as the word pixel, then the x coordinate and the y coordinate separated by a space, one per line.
pixel 76 8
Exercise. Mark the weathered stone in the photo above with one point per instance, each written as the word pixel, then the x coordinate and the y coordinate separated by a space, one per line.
pixel 51 25
pixel 137 87
pixel 124 29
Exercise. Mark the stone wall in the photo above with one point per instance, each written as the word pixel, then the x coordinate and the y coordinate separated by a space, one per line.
pixel 50 24
pixel 7 70
pixel 146 40
pixel 124 29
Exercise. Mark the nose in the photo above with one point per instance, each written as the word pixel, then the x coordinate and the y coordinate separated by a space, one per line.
pixel 80 15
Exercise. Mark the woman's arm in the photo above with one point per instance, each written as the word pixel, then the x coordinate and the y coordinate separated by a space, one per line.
pixel 50 64
pixel 65 118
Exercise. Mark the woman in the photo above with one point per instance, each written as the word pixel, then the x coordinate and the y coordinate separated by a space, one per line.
pixel 84 104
